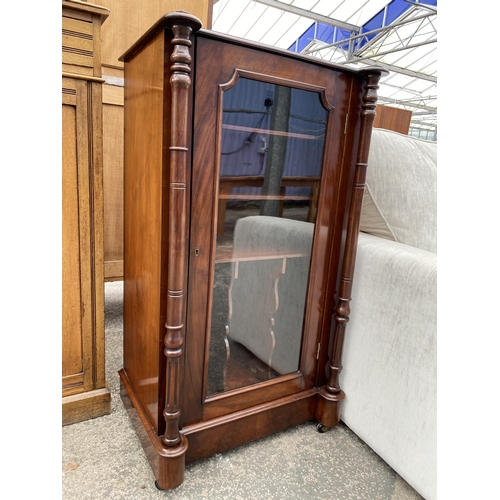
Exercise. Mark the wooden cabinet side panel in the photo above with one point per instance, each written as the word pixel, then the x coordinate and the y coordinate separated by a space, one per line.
pixel 113 190
pixel 97 239
pixel 71 310
pixel 119 32
pixel 82 211
pixel 84 390
pixel 78 42
pixel 129 20
pixel 395 119
pixel 77 308
pixel 143 156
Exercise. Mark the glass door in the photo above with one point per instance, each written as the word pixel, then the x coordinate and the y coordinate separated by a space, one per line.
pixel 266 140
pixel 271 146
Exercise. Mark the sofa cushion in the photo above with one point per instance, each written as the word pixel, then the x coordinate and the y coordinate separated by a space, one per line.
pixel 400 200
pixel 266 289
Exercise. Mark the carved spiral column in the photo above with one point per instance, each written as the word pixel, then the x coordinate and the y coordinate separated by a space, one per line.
pixel 174 443
pixel 328 411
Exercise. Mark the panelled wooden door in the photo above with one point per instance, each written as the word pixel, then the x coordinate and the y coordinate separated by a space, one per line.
pixel 76 271
pixel 224 375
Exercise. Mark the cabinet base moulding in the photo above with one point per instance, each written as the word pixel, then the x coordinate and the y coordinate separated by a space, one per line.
pixel 80 407
pixel 217 435
pixel 224 433
pixel 167 465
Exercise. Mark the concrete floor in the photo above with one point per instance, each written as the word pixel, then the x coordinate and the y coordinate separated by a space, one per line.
pixel 103 459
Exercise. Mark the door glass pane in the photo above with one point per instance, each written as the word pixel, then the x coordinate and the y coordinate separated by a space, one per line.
pixel 270 166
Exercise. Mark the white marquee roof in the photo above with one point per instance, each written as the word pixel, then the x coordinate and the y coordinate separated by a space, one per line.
pixel 400 35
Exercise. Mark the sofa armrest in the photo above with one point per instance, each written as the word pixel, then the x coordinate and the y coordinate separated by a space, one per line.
pixel 389 374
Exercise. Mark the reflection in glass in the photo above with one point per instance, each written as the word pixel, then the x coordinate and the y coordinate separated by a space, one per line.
pixel 270 166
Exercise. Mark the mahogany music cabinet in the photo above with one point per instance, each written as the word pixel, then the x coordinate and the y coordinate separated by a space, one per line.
pixel 244 176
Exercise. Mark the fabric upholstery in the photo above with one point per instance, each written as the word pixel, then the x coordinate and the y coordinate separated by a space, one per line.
pixel 390 349
pixel 400 200
pixel 390 358
pixel 253 293
pixel 390 354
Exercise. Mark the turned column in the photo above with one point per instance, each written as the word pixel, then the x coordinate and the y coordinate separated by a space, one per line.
pixel 174 443
pixel 330 395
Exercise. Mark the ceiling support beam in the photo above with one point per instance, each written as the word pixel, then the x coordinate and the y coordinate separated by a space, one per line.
pixel 409 104
pixel 310 15
pixel 384 29
pixel 423 6
pixel 391 68
pixel 392 51
pixel 397 69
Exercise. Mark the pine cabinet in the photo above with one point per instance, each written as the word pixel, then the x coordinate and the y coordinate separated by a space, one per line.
pixel 243 181
pixel 84 390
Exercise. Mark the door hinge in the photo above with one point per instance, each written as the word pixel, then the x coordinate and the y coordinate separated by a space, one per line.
pixel 319 349
pixel 345 124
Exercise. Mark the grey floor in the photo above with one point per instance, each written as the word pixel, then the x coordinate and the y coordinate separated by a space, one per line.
pixel 103 459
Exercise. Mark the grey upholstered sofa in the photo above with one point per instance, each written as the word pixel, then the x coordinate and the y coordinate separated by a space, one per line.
pixel 390 358
pixel 268 298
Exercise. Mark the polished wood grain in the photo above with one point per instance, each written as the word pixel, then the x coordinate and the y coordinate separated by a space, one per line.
pixel 225 432
pixel 167 463
pixel 157 159
pixel 113 126
pixel 175 79
pixel 331 394
pixel 84 406
pixel 113 185
pixel 84 390
pixel 180 80
pixel 128 21
pixel 144 201
pixel 395 119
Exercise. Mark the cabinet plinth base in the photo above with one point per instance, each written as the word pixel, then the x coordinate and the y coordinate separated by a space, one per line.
pixel 79 407
pixel 168 464
pixel 328 409
pixel 214 435
pixel 238 428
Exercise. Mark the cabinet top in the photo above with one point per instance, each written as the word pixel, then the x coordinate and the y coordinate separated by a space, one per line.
pixel 84 6
pixel 182 17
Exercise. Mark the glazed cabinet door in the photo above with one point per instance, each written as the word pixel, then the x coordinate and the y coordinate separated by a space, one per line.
pixel 268 136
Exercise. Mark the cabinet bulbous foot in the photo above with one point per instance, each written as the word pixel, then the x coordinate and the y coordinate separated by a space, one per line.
pixel 328 408
pixel 321 428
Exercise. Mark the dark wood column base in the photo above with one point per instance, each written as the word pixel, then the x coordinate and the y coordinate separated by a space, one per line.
pixel 328 408
pixel 168 464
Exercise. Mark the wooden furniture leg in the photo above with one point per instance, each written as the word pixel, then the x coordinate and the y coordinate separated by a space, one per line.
pixel 331 395
pixel 174 443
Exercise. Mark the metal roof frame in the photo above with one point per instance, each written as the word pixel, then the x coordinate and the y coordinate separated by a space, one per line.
pixel 400 35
